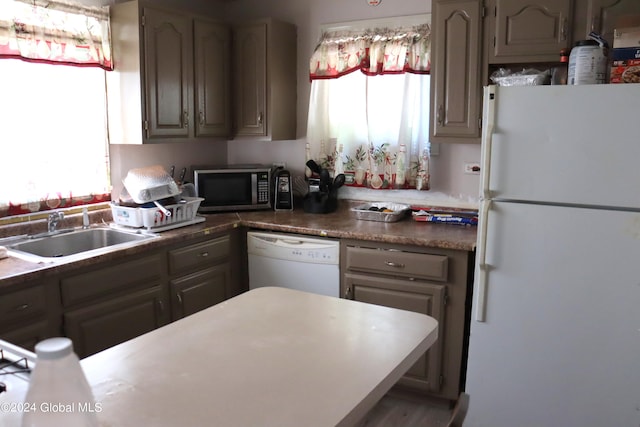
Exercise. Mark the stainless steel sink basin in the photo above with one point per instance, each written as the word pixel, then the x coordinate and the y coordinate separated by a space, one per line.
pixel 86 242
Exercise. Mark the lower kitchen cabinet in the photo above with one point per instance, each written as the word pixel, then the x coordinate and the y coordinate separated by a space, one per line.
pixel 200 275
pixel 431 281
pixel 103 304
pixel 407 295
pixel 27 335
pixel 102 325
pixel 197 291
pixel 114 302
pixel 29 313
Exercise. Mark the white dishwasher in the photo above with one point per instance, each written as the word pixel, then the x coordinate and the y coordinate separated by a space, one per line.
pixel 293 261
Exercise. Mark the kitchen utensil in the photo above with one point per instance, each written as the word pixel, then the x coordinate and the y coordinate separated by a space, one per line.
pixel 325 179
pixel 183 172
pixel 311 164
pixel 149 184
pixel 338 181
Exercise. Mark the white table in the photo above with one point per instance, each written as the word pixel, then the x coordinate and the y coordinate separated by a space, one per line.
pixel 269 357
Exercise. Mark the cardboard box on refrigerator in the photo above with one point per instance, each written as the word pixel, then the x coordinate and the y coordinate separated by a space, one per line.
pixel 625 56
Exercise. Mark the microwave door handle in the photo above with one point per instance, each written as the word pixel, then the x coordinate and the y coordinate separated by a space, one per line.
pixel 254 189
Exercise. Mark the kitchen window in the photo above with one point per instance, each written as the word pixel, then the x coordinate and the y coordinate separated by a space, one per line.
pixel 369 103
pixel 53 58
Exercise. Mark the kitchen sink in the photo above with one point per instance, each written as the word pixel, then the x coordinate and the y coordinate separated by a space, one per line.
pixel 77 243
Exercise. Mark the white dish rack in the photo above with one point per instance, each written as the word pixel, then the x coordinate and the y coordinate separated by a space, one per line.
pixel 153 219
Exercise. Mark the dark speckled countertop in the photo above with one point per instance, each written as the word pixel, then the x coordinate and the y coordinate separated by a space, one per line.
pixel 340 224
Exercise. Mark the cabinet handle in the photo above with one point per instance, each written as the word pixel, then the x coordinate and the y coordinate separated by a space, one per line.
pixel 260 118
pixel 179 298
pixel 185 119
pixel 440 115
pixel 347 293
pixel 201 118
pixel 204 254
pixel 394 264
pixel 161 307
pixel 21 307
pixel 564 29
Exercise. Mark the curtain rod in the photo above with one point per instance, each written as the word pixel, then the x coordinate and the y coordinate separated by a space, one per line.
pixel 392 21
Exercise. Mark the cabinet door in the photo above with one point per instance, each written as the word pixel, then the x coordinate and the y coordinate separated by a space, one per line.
pixel 212 44
pixel 603 16
pixel 456 89
pixel 168 68
pixel 190 294
pixel 530 29
pixel 27 336
pixel 103 325
pixel 250 48
pixel 414 296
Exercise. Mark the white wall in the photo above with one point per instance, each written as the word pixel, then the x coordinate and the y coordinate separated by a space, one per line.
pixel 450 186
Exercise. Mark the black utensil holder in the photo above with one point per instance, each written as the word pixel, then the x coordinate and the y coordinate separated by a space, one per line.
pixel 320 202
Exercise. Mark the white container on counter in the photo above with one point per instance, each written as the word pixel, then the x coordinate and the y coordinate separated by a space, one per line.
pixel 59 394
pixel 587 63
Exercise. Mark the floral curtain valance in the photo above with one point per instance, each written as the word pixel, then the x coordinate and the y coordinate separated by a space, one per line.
pixel 55 31
pixel 376 51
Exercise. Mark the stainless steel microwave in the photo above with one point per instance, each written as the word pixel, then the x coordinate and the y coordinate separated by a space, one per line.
pixel 233 188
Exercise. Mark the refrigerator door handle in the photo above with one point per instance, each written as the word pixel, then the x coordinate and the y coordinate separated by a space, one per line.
pixel 487 138
pixel 483 268
pixel 488 118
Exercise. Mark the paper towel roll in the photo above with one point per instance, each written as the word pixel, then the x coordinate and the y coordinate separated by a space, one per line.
pixel 3 252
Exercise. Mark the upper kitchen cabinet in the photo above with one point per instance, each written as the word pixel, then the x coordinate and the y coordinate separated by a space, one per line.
pixel 525 31
pixel 456 85
pixel 168 73
pixel 212 51
pixel 171 77
pixel 603 16
pixel 264 57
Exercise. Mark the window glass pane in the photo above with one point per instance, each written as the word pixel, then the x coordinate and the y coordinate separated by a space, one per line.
pixel 53 135
pixel 365 114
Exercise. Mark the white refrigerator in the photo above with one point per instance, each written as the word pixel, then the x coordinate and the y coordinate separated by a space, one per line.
pixel 555 326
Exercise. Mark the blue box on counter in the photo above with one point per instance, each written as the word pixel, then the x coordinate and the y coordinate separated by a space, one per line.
pixel 625 56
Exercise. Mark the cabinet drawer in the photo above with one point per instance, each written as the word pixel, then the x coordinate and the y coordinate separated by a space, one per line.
pixel 198 255
pixel 406 264
pixel 140 273
pixel 22 304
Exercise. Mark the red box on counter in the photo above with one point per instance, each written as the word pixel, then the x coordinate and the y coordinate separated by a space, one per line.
pixel 625 56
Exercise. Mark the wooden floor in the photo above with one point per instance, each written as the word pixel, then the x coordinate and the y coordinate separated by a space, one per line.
pixel 402 409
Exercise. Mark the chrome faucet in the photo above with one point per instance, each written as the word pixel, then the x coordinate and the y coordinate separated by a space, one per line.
pixel 52 221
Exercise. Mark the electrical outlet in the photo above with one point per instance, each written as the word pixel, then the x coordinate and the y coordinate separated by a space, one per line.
pixel 472 168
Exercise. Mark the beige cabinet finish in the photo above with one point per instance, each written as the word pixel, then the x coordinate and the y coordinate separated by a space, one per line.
pixel 111 304
pixel 521 31
pixel 197 291
pixel 168 74
pixel 202 276
pixel 29 314
pixel 264 58
pixel 171 77
pixel 424 298
pixel 603 16
pixel 98 326
pixel 456 84
pixel 429 281
pixel 212 62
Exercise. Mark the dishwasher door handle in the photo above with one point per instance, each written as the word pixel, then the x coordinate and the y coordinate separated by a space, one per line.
pixel 291 242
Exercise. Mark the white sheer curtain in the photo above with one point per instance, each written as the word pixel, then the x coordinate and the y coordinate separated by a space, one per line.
pixel 53 137
pixel 370 117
